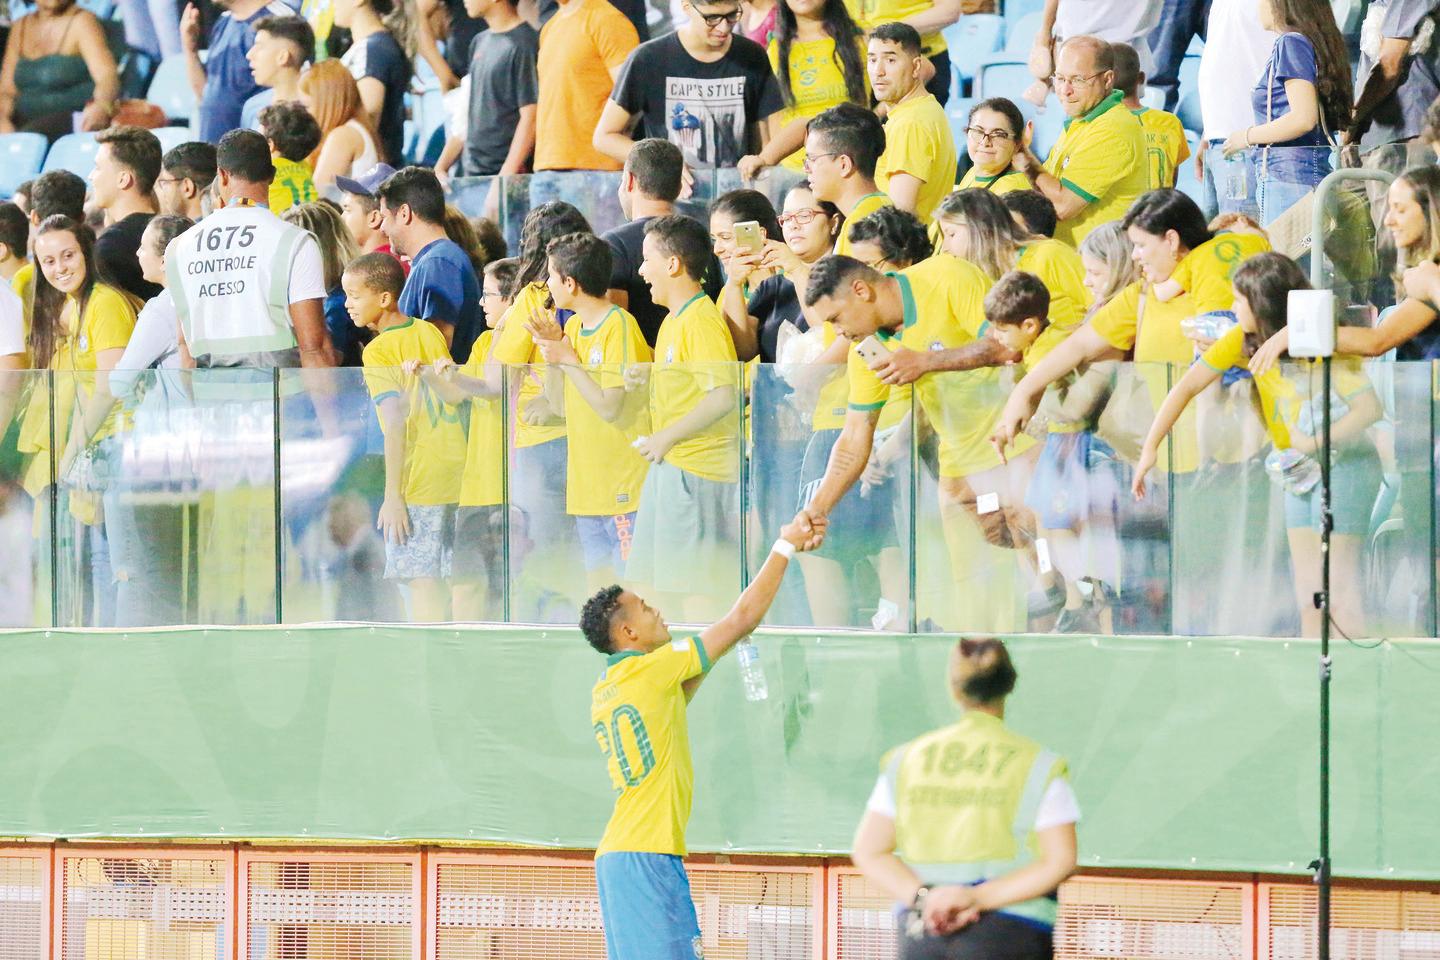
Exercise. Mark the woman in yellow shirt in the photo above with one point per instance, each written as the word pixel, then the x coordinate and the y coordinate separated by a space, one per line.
pixel 992 135
pixel 817 53
pixel 1292 414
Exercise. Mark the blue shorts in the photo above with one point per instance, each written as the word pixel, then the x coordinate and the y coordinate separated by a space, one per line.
pixel 605 541
pixel 646 906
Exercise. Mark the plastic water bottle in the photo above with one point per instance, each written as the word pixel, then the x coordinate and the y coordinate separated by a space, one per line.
pixel 1236 185
pixel 751 673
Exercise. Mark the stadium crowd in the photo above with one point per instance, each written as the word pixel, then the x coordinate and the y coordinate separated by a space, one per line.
pixel 910 293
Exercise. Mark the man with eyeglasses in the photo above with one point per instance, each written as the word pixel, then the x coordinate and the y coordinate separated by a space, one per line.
pixel 917 168
pixel 707 91
pixel 186 173
pixel 1096 170
pixel 842 147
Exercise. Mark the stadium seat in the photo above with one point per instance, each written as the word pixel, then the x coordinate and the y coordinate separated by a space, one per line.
pixel 1348 14
pixel 1017 9
pixel 428 111
pixel 172 137
pixel 1196 45
pixel 170 89
pixel 1002 75
pixel 1188 110
pixel 1153 97
pixel 1189 73
pixel 21 157
pixel 957 111
pixel 1185 180
pixel 74 152
pixel 101 8
pixel 970 40
pixel 137 70
pixel 1049 124
pixel 1021 33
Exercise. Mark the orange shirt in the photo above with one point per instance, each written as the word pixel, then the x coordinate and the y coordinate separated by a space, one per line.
pixel 579 46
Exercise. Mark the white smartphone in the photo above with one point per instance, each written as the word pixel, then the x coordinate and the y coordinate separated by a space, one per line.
pixel 871 350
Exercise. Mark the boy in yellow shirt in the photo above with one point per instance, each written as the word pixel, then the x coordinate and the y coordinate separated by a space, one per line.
pixel 589 361
pixel 424 443
pixel 1165 144
pixel 687 527
pixel 293 136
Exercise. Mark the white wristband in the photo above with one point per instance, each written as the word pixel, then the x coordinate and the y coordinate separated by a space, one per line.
pixel 783 547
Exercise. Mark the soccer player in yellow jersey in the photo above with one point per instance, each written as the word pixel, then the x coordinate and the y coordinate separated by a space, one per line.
pixel 842 147
pixel 588 362
pixel 917 168
pixel 638 708
pixel 685 530
pixel 1097 167
pixel 1165 144
pixel 424 442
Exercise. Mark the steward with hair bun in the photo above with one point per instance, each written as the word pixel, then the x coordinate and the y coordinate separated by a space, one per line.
pixel 986 818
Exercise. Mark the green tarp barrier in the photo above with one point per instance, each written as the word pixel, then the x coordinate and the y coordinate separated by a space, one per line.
pixel 1192 754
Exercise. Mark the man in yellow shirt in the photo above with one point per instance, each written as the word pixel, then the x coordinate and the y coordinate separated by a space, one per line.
pixel 589 361
pixel 917 168
pixel 686 531
pixel 1097 167
pixel 842 147
pixel 638 708
pixel 1165 144
pixel 424 442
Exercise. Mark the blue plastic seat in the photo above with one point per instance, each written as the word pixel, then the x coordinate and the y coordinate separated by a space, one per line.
pixel 170 89
pixel 1020 35
pixel 970 40
pixel 1017 9
pixel 21 157
pixel 172 137
pixel 74 152
pixel 1049 124
pixel 428 111
pixel 1189 74
pixel 1002 75
pixel 1188 110
pixel 1185 180
pixel 101 8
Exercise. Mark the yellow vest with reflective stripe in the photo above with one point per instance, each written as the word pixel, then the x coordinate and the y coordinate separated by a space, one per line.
pixel 966 797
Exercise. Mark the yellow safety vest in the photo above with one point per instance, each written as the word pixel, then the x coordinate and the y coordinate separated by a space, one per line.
pixel 966 797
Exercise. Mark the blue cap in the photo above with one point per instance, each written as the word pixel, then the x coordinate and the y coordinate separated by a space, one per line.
pixel 368 182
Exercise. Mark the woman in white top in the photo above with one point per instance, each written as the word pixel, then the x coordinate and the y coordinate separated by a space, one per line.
pixel 348 146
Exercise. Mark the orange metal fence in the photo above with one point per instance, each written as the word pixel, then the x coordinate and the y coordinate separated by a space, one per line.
pixel 239 902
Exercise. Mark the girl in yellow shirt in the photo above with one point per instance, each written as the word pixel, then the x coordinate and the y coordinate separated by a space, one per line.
pixel 1292 415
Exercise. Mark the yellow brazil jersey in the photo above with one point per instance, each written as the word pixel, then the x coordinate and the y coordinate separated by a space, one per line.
pixel 865 206
pixel 604 473
pixel 293 185
pixel 1165 146
pixel 434 439
pixel 638 711
pixel 1282 394
pixel 918 141
pixel 515 347
pixel 1007 181
pixel 1099 157
pixel 1060 268
pixel 1050 338
pixel 831 405
pixel 694 355
pixel 106 324
pixel 1206 272
pixel 817 83
pixel 868 14
pixel 23 283
pixel 943 306
pixel 483 482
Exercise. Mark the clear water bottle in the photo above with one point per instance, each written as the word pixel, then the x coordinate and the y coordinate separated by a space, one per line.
pixel 1237 186
pixel 751 673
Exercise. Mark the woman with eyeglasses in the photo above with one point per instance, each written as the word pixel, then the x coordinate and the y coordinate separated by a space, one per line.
pixel 992 135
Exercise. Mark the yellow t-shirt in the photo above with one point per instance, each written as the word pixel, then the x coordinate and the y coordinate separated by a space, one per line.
pixel 918 142
pixel 868 14
pixel 1281 396
pixel 1050 338
pixel 23 283
pixel 866 205
pixel 1165 146
pixel 604 473
pixel 638 711
pixel 293 185
pixel 434 439
pixel 694 354
pixel 943 301
pixel 816 82
pixel 831 405
pixel 516 347
pixel 1060 267
pixel 483 483
pixel 1206 271
pixel 1008 182
pixel 1100 158
pixel 106 324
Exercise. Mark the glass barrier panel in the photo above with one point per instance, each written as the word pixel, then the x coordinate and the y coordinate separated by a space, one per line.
pixel 165 502
pixel 774 182
pixel 332 488
pixel 1400 556
pixel 860 576
pixel 25 489
pixel 1051 539
pixel 672 455
pixel 594 193
pixel 478 197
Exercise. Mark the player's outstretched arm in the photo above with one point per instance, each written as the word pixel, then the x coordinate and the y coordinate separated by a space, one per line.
pixel 750 609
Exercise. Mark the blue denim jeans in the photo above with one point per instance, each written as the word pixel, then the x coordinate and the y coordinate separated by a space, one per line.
pixel 1181 21
pixel 1229 184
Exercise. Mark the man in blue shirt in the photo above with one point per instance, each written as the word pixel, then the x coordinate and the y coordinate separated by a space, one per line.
pixel 442 287
pixel 223 82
